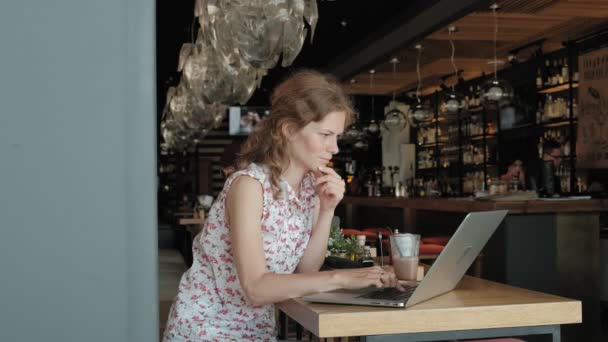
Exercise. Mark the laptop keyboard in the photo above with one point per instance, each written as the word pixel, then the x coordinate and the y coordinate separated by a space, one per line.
pixel 391 293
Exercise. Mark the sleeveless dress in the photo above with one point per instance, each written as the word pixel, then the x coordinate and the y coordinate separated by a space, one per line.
pixel 210 304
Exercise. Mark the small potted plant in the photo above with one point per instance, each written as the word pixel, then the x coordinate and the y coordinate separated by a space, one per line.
pixel 340 245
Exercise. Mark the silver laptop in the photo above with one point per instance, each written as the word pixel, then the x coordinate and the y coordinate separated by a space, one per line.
pixel 443 276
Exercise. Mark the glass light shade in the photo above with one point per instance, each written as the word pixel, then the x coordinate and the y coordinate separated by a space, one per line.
pixel 452 103
pixel 373 127
pixel 351 133
pixel 394 118
pixel 361 144
pixel 422 112
pixel 494 91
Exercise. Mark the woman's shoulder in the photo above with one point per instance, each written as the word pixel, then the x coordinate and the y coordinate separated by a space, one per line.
pixel 253 170
pixel 245 186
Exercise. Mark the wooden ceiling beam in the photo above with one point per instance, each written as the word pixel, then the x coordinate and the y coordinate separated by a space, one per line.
pixel 373 52
pixel 555 20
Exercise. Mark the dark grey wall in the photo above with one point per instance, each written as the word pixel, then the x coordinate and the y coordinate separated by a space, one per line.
pixel 77 171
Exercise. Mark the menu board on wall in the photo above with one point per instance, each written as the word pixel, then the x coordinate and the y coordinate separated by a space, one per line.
pixel 592 133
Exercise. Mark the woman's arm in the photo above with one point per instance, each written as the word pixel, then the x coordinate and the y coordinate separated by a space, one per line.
pixel 244 211
pixel 330 190
pixel 315 252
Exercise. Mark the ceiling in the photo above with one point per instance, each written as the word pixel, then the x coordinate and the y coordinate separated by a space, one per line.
pixel 520 22
pixel 342 25
pixel 354 36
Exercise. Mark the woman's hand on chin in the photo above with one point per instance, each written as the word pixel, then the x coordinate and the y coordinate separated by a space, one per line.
pixel 330 187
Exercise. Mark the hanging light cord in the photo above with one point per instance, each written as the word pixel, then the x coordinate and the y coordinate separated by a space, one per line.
pixel 452 59
pixel 418 73
pixel 494 8
pixel 371 87
pixel 394 61
pixel 192 29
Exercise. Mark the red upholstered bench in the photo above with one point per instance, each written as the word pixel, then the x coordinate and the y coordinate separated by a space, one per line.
pixel 429 251
pixel 438 240
pixel 351 231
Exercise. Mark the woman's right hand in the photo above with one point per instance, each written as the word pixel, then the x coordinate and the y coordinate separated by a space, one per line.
pixel 358 278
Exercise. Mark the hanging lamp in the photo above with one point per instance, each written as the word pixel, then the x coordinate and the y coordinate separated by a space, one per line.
pixel 394 116
pixel 496 91
pixel 452 102
pixel 372 127
pixel 421 111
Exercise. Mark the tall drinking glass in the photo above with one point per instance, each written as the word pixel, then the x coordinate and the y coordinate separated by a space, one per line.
pixel 404 249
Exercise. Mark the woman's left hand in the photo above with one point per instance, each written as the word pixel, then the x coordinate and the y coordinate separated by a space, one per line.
pixel 330 188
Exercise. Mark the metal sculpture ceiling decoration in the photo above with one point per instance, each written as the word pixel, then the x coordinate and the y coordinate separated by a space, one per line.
pixel 237 43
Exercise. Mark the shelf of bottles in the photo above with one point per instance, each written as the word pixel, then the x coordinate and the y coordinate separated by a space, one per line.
pixel 428 143
pixel 459 150
pixel 557 111
pixel 479 141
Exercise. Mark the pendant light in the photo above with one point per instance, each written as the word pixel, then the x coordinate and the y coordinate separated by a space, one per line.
pixel 452 102
pixel 394 117
pixel 372 127
pixel 355 135
pixel 421 111
pixel 496 91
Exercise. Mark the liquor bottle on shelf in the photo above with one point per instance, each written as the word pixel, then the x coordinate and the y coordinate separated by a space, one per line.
pixel 566 149
pixel 474 100
pixel 547 81
pixel 490 128
pixel 539 113
pixel 539 79
pixel 565 71
pixel 555 108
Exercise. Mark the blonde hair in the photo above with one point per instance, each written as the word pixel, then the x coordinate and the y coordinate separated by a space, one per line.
pixel 304 97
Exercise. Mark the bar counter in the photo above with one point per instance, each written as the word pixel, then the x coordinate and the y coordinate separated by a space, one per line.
pixel 411 206
pixel 561 205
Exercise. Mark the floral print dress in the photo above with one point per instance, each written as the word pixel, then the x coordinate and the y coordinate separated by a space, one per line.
pixel 210 304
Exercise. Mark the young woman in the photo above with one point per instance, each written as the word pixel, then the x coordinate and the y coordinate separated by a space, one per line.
pixel 266 235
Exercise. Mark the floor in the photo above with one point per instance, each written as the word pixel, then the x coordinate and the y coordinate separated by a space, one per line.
pixel 171 266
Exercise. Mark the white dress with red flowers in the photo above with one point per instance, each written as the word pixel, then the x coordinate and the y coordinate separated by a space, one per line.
pixel 210 304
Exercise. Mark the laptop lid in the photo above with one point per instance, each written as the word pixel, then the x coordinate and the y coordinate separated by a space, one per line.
pixel 458 255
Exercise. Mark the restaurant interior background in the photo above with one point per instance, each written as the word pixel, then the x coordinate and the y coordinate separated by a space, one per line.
pixel 371 47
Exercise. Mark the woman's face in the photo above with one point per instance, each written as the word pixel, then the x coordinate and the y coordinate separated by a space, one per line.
pixel 316 143
pixel 515 168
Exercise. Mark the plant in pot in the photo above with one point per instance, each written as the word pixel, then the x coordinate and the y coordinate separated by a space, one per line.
pixel 340 245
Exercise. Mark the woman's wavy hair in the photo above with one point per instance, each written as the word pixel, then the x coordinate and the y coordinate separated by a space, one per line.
pixel 303 97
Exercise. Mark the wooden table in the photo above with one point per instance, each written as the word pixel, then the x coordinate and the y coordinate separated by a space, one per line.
pixel 192 226
pixel 477 308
